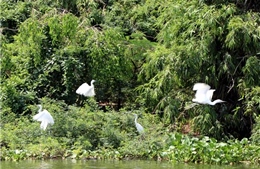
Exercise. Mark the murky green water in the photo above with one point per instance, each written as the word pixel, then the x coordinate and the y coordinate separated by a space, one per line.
pixel 136 164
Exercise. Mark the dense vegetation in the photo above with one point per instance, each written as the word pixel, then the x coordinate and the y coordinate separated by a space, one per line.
pixel 145 57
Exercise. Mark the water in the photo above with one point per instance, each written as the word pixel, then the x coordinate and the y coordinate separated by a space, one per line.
pixel 92 164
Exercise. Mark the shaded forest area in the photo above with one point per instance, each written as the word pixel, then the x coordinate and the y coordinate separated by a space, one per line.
pixel 143 55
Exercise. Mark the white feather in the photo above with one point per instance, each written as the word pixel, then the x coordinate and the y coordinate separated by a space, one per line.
pixel 138 126
pixel 86 90
pixel 204 94
pixel 44 117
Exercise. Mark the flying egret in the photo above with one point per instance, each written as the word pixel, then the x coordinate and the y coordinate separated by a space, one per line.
pixel 86 90
pixel 139 128
pixel 44 117
pixel 204 94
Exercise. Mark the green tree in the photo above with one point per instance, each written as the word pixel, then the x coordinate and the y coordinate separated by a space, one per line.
pixel 213 43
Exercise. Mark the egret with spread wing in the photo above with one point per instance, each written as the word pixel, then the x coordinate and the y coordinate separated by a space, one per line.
pixel 44 117
pixel 204 94
pixel 86 90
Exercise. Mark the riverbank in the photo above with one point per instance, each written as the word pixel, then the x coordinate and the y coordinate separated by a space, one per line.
pixel 89 133
pixel 181 148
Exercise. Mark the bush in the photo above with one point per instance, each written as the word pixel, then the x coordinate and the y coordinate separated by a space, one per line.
pixel 79 132
pixel 255 137
pixel 182 148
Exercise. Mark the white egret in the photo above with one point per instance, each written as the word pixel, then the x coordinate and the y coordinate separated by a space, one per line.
pixel 86 90
pixel 204 94
pixel 139 128
pixel 44 117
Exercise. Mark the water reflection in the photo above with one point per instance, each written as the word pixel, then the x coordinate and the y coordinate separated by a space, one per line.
pixel 92 164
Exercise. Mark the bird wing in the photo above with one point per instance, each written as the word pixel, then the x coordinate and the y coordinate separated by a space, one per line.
pixel 83 89
pixel 44 116
pixel 210 94
pixel 44 125
pixel 201 86
pixel 139 128
pixel 37 116
pixel 201 89
pixel 90 92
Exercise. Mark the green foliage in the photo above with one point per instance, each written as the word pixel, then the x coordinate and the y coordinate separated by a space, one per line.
pixel 202 43
pixel 57 49
pixel 251 71
pixel 207 123
pixel 76 133
pixel 256 131
pixel 145 56
pixel 88 133
pixel 11 15
pixel 205 150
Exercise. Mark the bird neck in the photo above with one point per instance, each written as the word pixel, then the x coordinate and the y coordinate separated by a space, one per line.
pixel 212 103
pixel 92 83
pixel 135 119
pixel 216 101
pixel 40 108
